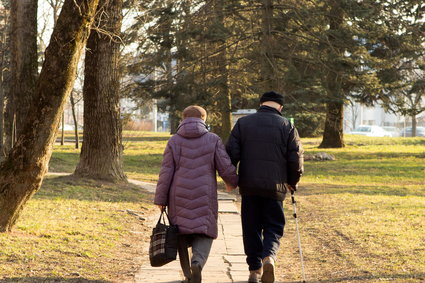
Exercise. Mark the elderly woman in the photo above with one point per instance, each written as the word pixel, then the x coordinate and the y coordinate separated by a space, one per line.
pixel 188 187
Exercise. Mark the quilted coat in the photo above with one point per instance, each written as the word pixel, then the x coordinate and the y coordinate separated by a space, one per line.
pixel 269 152
pixel 187 181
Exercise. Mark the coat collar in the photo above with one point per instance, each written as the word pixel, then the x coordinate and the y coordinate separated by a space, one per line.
pixel 268 109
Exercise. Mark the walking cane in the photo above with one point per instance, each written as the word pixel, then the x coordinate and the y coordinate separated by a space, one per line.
pixel 298 235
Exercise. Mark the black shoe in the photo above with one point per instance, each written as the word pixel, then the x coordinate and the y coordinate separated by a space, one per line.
pixel 196 273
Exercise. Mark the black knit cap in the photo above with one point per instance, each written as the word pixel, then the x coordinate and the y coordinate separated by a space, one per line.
pixel 272 96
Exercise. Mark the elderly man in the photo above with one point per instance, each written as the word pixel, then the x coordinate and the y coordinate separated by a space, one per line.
pixel 270 156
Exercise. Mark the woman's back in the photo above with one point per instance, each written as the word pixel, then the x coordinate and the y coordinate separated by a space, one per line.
pixel 195 154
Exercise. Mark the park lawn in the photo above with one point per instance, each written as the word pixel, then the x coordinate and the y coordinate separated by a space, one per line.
pixel 361 217
pixel 142 155
pixel 76 231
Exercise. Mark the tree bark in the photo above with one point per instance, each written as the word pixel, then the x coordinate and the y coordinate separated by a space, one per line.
pixel 22 172
pixel 333 134
pixel 414 124
pixel 74 117
pixel 4 65
pixel 23 67
pixel 63 129
pixel 101 152
pixel 1 116
pixel 269 80
pixel 174 120
pixel 221 73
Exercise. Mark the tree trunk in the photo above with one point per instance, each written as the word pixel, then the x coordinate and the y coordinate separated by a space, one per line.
pixel 74 117
pixel 63 129
pixel 1 117
pixel 414 124
pixel 23 67
pixel 22 172
pixel 221 73
pixel 174 121
pixel 3 67
pixel 333 134
pixel 101 152
pixel 269 80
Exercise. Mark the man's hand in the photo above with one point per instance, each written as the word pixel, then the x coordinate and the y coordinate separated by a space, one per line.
pixel 292 189
pixel 161 207
pixel 229 188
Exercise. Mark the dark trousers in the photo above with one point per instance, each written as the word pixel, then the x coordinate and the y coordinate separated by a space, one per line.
pixel 262 226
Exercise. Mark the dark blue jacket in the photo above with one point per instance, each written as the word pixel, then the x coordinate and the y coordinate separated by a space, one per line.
pixel 269 152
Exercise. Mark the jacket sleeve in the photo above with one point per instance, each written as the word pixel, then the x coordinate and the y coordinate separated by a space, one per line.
pixel 233 147
pixel 295 157
pixel 165 177
pixel 224 166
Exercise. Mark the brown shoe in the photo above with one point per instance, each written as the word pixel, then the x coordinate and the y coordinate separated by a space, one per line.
pixel 268 270
pixel 254 276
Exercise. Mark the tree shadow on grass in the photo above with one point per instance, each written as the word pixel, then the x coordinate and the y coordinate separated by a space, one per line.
pixel 50 280
pixel 70 187
pixel 143 163
pixel 324 189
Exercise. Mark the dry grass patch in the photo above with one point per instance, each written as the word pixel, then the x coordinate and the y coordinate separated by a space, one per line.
pixel 77 231
pixel 362 216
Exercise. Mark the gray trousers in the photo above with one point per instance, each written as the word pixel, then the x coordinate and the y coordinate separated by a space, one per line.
pixel 201 247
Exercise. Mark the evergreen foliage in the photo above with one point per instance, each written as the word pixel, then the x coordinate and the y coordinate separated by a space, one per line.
pixel 320 54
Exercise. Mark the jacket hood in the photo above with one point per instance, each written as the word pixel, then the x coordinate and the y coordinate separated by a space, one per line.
pixel 192 128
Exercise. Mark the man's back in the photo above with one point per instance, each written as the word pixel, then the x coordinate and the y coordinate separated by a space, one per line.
pixel 269 151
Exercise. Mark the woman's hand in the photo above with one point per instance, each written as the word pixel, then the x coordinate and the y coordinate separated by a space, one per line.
pixel 161 207
pixel 229 188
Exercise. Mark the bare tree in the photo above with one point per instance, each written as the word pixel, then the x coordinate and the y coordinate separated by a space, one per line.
pixel 23 170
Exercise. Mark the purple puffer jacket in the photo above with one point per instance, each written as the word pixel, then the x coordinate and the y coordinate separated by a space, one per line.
pixel 187 180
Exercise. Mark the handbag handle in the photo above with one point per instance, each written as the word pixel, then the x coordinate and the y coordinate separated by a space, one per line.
pixel 163 218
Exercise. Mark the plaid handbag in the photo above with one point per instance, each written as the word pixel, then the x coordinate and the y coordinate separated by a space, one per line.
pixel 163 244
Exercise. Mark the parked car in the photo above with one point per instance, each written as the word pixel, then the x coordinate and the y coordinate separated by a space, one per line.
pixel 407 132
pixel 370 131
pixel 393 131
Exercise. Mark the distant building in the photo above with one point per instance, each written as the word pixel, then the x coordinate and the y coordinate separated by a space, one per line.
pixel 358 114
pixel 241 113
pixel 146 118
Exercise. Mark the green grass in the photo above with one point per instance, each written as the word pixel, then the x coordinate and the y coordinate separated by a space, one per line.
pixel 142 155
pixel 361 216
pixel 76 230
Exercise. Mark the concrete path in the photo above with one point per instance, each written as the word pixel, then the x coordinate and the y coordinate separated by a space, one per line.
pixel 226 262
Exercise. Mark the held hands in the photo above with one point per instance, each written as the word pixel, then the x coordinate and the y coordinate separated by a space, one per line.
pixel 229 188
pixel 161 207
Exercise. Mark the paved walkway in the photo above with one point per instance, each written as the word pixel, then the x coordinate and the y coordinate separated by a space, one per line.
pixel 226 262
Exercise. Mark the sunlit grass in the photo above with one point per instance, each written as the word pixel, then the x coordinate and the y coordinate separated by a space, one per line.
pixel 361 216
pixel 75 229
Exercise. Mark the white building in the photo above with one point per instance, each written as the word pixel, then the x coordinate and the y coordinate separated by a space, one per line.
pixel 357 114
